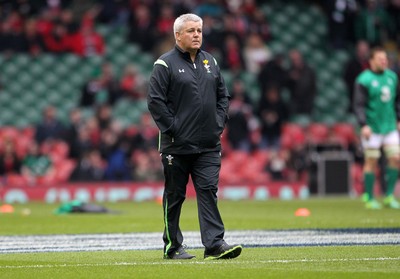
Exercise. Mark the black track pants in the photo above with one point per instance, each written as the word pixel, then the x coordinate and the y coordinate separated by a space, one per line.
pixel 204 169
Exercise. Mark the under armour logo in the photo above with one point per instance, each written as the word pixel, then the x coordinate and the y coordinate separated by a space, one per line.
pixel 181 70
pixel 169 158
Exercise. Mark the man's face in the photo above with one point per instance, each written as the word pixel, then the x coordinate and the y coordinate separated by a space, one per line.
pixel 190 37
pixel 379 62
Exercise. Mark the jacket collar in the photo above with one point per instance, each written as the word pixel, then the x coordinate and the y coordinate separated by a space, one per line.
pixel 185 54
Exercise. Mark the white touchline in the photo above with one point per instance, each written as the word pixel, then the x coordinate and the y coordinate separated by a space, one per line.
pixel 197 262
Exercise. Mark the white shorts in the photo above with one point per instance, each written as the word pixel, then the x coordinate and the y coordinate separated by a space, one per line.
pixel 376 141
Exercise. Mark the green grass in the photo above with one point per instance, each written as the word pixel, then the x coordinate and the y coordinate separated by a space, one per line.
pixel 284 262
pixel 300 262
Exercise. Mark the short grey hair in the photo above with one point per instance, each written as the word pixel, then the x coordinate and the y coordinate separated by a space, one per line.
pixel 182 19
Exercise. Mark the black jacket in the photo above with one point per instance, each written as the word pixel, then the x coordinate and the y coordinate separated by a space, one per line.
pixel 188 101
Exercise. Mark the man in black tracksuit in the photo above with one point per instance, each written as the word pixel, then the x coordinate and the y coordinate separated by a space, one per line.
pixel 189 103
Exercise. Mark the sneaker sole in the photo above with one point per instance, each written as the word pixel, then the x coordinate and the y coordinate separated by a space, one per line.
pixel 230 254
pixel 179 258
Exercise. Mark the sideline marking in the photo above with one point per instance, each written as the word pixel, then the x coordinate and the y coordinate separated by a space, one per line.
pixel 153 241
pixel 185 262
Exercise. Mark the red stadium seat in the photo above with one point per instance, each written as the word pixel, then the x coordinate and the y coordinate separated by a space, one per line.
pixel 345 132
pixel 317 133
pixel 8 133
pixel 292 134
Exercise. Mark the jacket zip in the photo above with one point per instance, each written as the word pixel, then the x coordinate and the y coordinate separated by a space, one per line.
pixel 197 79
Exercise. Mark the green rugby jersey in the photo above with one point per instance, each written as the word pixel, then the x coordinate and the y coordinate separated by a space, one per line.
pixel 375 100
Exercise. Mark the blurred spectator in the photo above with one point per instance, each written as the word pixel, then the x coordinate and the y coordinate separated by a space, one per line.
pixel 37 167
pixel 109 83
pixel 10 163
pixel 6 37
pixel 33 42
pixel 258 24
pixel 130 83
pixel 118 168
pixel 232 55
pixel 357 64
pixel 145 167
pixel 82 144
pixel 302 84
pixel 272 112
pixel 88 42
pixel 68 20
pixel 238 91
pixel 92 126
pixel 75 123
pixel 298 161
pixel 45 22
pixel 212 8
pixel 255 53
pixel 373 24
pixel 277 165
pixel 341 17
pixel 104 116
pixel 273 73
pixel 165 21
pixel 90 168
pixel 211 35
pixel 50 128
pixel 113 12
pixel 13 33
pixel 240 117
pixel 141 28
pixel 58 40
pixel 109 141
pixel 101 88
pixel 147 136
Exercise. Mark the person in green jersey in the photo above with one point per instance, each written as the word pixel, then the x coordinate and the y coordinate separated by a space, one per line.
pixel 378 113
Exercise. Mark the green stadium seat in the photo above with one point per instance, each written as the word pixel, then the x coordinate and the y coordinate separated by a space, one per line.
pixel 71 60
pixel 61 70
pixel 10 70
pixel 341 56
pixel 277 47
pixel 115 43
pixel 297 30
pixel 281 19
pixel 132 50
pixel 6 117
pixel 313 39
pixel 290 11
pixel 301 119
pixel 48 61
pixel 305 19
pixel 21 60
pixel 36 70
pixel 288 39
pixel 104 31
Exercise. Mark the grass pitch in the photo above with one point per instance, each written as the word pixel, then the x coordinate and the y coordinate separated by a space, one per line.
pixel 282 262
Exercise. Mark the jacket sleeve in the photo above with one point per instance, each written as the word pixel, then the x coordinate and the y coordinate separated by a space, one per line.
pixel 360 103
pixel 223 96
pixel 157 100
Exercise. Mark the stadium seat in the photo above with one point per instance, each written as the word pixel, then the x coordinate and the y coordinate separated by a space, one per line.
pixel 9 132
pixel 345 132
pixel 317 133
pixel 292 134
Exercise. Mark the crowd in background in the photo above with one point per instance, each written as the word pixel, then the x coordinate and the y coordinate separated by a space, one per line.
pixel 237 33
